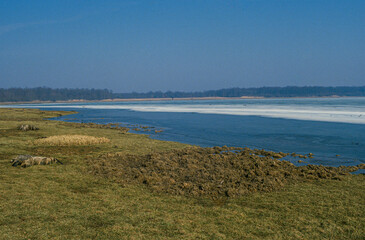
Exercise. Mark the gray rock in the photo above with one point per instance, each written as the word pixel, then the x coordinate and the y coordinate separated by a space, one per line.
pixel 28 160
pixel 27 127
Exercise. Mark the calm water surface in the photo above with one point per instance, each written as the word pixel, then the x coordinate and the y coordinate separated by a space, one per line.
pixel 324 127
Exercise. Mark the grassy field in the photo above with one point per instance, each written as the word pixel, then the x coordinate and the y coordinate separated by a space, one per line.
pixel 69 202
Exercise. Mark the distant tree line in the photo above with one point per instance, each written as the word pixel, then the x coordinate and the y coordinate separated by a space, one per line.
pixel 49 94
pixel 290 91
pixel 62 94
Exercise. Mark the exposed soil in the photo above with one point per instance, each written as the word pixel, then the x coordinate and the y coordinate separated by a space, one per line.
pixel 213 172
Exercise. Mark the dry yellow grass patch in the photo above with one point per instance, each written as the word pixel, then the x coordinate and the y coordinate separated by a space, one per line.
pixel 69 140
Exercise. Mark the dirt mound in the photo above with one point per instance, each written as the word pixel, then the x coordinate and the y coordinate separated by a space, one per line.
pixel 213 172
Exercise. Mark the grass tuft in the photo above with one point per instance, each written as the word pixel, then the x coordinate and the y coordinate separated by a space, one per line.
pixel 71 140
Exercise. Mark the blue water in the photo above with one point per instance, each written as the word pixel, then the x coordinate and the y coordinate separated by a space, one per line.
pixel 332 129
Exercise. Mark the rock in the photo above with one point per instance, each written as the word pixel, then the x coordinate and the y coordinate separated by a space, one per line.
pixel 27 127
pixel 28 160
pixel 20 158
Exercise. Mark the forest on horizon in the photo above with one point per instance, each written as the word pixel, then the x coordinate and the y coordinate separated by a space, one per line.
pixel 64 94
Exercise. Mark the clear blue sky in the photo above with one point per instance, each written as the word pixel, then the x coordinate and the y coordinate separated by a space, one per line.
pixel 188 45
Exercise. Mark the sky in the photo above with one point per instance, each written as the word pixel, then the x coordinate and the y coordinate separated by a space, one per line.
pixel 181 45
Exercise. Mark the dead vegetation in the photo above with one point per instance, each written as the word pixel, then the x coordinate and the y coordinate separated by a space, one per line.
pixel 115 126
pixel 71 140
pixel 213 172
pixel 28 161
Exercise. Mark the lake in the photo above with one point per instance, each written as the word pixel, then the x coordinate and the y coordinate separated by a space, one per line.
pixel 333 129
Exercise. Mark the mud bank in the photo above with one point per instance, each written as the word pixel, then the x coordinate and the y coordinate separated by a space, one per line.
pixel 212 172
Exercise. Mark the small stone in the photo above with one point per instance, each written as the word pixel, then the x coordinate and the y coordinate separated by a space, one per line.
pixel 27 127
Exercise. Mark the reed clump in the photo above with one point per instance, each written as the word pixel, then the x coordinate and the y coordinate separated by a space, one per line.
pixel 71 140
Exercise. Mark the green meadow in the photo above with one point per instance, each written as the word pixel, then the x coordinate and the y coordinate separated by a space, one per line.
pixel 69 202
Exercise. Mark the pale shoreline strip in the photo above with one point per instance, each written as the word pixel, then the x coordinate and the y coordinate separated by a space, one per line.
pixel 167 99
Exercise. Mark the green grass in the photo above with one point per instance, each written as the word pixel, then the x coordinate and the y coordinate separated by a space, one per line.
pixel 67 202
